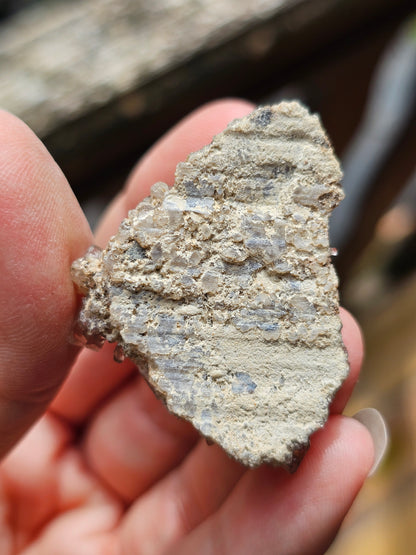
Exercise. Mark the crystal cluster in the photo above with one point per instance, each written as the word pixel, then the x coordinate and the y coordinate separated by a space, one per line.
pixel 222 290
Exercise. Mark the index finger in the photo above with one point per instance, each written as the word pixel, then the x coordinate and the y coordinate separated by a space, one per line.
pixel 353 341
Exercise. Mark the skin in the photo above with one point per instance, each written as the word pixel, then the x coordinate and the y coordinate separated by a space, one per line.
pixel 104 468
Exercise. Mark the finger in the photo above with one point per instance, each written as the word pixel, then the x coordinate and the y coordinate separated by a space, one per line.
pixel 94 376
pixel 85 530
pixel 272 512
pixel 42 229
pixel 146 441
pixel 75 401
pixel 29 472
pixel 184 499
pixel 353 341
pixel 52 495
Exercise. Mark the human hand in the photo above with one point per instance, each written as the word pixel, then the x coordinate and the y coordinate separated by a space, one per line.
pixel 107 470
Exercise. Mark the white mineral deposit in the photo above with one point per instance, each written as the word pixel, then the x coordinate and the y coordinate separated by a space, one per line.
pixel 222 290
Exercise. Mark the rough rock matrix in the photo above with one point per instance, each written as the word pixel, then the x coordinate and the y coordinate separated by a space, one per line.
pixel 221 289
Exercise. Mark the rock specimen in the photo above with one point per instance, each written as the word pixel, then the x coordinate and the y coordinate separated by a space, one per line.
pixel 221 289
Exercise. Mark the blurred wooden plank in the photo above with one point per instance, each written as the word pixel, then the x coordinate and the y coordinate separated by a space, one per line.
pixel 100 80
pixel 59 62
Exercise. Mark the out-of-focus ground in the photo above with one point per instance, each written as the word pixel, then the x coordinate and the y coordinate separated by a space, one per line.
pixel 101 80
pixel 383 519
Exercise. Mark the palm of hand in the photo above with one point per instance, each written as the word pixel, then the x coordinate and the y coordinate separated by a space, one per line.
pixel 107 469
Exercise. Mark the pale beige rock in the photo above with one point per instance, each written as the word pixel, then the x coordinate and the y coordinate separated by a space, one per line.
pixel 222 289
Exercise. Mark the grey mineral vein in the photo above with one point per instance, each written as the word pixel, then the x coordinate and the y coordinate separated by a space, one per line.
pixel 222 290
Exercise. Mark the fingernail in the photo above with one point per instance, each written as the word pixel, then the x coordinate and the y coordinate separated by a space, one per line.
pixel 376 425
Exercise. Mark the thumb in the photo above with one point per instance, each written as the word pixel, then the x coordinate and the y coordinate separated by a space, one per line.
pixel 42 229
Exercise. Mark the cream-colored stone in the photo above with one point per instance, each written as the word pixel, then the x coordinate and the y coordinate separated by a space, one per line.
pixel 222 289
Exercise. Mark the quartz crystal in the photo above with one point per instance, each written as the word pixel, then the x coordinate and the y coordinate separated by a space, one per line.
pixel 222 290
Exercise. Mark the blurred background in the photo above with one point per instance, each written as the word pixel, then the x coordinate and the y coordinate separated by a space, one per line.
pixel 100 80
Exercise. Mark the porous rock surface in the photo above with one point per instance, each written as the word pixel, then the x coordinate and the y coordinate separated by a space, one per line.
pixel 222 290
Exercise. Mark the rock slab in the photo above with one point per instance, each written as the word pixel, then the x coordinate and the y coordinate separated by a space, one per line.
pixel 222 290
